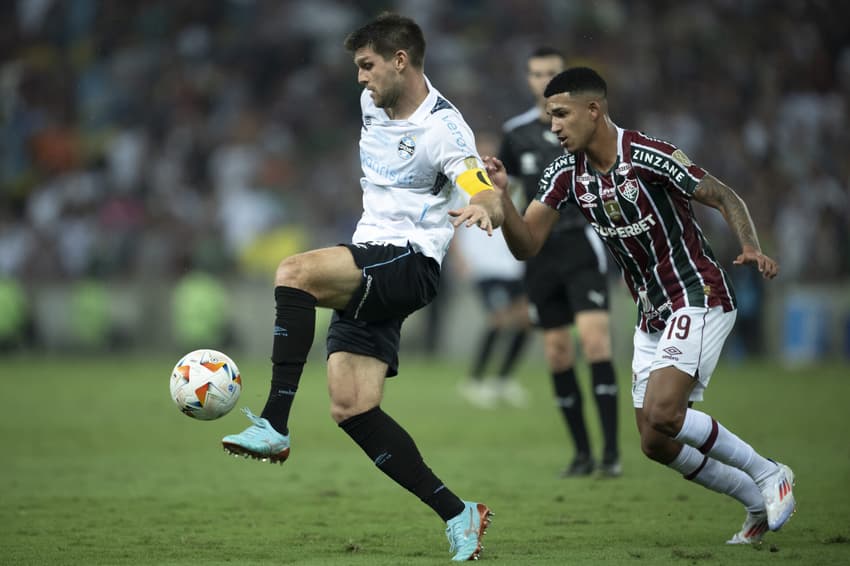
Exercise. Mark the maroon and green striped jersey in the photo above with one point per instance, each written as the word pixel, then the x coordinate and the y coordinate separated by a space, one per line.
pixel 642 210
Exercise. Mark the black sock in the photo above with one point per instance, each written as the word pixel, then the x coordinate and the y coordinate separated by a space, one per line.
pixel 605 392
pixel 514 350
pixel 484 349
pixel 294 326
pixel 569 400
pixel 394 452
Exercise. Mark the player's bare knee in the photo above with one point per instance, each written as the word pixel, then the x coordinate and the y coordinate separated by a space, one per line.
pixel 342 410
pixel 665 419
pixel 596 350
pixel 652 447
pixel 292 272
pixel 658 448
pixel 558 357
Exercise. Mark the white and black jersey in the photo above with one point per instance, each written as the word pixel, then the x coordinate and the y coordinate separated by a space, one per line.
pixel 410 168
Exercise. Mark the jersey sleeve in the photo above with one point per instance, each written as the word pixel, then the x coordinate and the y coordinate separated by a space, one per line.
pixel 555 186
pixel 455 154
pixel 662 163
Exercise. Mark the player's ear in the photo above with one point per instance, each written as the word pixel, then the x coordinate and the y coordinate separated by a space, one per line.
pixel 400 60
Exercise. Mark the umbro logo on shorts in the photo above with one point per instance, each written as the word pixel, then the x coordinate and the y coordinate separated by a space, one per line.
pixel 672 352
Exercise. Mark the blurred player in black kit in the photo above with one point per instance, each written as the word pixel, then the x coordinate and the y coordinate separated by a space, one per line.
pixel 565 289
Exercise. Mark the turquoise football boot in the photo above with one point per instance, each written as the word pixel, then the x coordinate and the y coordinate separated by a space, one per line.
pixel 259 441
pixel 466 531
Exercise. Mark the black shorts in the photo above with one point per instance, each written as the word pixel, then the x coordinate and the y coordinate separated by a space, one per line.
pixel 499 294
pixel 396 282
pixel 566 279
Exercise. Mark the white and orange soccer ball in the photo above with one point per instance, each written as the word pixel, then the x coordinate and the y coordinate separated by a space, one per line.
pixel 205 384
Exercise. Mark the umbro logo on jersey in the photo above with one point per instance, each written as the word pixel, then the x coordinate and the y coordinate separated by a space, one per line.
pixel 672 353
pixel 406 147
pixel 587 200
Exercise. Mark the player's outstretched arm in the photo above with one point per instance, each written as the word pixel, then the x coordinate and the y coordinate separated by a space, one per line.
pixel 524 235
pixel 485 207
pixel 715 194
pixel 490 201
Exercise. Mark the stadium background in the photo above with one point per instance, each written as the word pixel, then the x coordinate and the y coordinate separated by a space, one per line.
pixel 157 158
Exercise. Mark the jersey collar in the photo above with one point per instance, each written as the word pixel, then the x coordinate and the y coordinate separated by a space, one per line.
pixel 424 110
pixel 620 132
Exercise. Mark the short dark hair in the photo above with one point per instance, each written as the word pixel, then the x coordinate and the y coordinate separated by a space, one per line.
pixel 576 80
pixel 387 34
pixel 546 51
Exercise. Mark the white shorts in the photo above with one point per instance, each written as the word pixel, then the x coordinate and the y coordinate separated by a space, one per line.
pixel 691 342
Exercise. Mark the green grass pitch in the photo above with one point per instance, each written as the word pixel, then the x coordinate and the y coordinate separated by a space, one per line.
pixel 99 467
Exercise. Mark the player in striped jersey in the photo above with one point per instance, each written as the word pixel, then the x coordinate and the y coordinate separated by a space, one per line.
pixel 419 166
pixel 637 193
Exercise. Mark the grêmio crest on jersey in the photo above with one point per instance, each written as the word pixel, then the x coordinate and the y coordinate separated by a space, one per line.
pixel 406 146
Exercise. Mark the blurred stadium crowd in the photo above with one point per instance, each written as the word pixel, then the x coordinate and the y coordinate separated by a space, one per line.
pixel 144 138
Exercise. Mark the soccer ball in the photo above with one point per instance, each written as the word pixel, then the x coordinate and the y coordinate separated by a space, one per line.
pixel 205 384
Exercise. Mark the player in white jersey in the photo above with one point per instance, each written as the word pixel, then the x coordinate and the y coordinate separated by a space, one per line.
pixel 420 167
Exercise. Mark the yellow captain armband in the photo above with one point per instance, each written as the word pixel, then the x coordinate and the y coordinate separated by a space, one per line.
pixel 473 181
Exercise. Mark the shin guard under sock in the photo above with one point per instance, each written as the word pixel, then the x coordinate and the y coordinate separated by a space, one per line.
pixel 605 394
pixel 717 476
pixel 395 453
pixel 713 439
pixel 568 396
pixel 294 326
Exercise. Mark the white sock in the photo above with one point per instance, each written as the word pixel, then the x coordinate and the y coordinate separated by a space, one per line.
pixel 712 438
pixel 719 477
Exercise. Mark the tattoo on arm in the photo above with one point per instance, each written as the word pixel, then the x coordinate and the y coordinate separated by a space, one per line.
pixel 715 194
